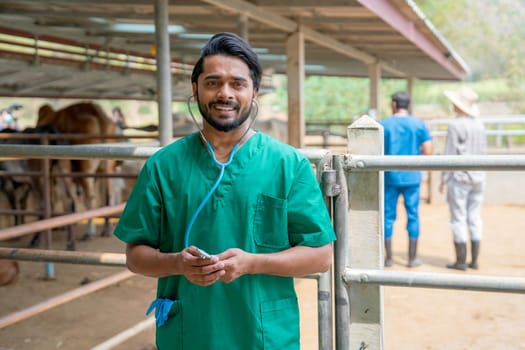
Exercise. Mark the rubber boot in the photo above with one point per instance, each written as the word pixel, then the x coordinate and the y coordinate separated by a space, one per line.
pixel 413 261
pixel 388 251
pixel 475 252
pixel 461 257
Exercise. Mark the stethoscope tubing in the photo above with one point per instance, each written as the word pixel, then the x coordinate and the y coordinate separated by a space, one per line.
pixel 222 167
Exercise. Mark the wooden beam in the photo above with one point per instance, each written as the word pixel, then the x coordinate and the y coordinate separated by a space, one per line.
pixel 391 15
pixel 255 13
pixel 275 21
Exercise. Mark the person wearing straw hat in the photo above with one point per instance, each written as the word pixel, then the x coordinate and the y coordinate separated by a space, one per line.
pixel 403 135
pixel 465 189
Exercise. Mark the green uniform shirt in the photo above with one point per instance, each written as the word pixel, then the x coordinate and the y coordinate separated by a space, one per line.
pixel 268 200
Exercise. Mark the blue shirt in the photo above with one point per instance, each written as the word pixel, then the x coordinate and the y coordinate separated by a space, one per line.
pixel 404 136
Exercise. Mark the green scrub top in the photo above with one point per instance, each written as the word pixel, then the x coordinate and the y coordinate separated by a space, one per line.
pixel 268 200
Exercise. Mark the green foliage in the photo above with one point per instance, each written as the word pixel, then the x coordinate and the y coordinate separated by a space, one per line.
pixel 335 98
pixel 145 109
pixel 350 97
pixel 489 35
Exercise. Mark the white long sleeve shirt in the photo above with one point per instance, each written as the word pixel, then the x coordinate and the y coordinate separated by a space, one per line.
pixel 465 136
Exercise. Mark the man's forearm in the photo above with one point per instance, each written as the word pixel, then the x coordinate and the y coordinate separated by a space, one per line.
pixel 295 262
pixel 148 261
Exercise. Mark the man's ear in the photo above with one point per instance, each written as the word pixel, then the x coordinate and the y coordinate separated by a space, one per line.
pixel 194 91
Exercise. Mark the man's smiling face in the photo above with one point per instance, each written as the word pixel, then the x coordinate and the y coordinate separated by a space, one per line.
pixel 224 92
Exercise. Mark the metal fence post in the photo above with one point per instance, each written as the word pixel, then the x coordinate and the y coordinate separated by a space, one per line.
pixel 324 282
pixel 342 310
pixel 365 230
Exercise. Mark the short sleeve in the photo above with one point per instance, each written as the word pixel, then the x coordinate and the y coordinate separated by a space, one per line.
pixel 141 219
pixel 424 134
pixel 308 220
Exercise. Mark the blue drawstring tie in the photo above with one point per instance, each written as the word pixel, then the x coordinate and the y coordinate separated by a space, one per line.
pixel 162 308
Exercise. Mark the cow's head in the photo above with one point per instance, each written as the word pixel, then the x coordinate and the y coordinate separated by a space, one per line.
pixel 45 115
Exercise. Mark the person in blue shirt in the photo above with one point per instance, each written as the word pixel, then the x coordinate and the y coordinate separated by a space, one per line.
pixel 403 135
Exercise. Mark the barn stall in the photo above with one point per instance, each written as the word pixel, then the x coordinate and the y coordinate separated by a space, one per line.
pixel 142 50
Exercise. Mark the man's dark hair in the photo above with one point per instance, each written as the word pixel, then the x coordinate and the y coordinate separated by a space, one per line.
pixel 230 44
pixel 402 99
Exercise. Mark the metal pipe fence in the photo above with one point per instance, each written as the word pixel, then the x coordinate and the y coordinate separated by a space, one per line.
pixel 321 159
pixel 351 162
pixel 62 256
pixel 98 151
pixel 358 255
pixel 59 221
pixel 363 275
pixel 500 284
pixel 499 119
pixel 471 162
pixel 104 151
pixel 498 133
pixel 498 127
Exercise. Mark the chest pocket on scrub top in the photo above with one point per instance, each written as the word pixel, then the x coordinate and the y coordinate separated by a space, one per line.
pixel 270 222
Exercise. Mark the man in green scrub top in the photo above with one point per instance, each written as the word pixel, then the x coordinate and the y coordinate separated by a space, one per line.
pixel 248 200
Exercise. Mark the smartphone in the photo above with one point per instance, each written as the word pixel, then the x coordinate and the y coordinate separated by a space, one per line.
pixel 203 254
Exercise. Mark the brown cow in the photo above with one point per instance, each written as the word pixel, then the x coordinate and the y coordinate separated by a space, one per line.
pixel 23 191
pixel 8 271
pixel 88 119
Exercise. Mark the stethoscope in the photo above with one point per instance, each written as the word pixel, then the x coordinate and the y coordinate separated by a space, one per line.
pixel 222 166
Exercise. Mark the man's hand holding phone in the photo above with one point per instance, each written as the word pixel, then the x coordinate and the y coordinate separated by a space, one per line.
pixel 202 253
pixel 200 267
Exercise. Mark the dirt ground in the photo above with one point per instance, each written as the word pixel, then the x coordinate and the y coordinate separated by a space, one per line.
pixel 415 318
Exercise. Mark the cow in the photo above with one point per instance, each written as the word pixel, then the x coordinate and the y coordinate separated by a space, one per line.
pixel 19 189
pixel 85 118
pixel 9 271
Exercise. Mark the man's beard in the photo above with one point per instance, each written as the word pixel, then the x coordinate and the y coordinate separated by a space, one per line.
pixel 221 126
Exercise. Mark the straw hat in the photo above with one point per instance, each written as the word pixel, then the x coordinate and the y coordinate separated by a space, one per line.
pixel 464 99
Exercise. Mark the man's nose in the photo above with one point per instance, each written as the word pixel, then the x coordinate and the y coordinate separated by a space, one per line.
pixel 225 92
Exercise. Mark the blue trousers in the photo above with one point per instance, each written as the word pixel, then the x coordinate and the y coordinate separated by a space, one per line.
pixel 411 200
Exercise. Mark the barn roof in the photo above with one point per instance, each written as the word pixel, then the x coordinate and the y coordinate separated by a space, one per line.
pixel 104 49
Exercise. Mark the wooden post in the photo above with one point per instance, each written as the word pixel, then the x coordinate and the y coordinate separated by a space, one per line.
pixel 242 26
pixel 365 230
pixel 374 74
pixel 410 90
pixel 295 74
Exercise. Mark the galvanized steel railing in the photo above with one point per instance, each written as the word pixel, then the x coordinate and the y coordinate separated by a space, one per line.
pixel 358 255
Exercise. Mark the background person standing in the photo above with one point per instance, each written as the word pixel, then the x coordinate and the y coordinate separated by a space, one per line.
pixel 118 118
pixel 465 136
pixel 403 135
pixel 7 121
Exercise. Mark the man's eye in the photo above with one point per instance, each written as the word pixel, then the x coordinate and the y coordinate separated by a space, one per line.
pixel 211 83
